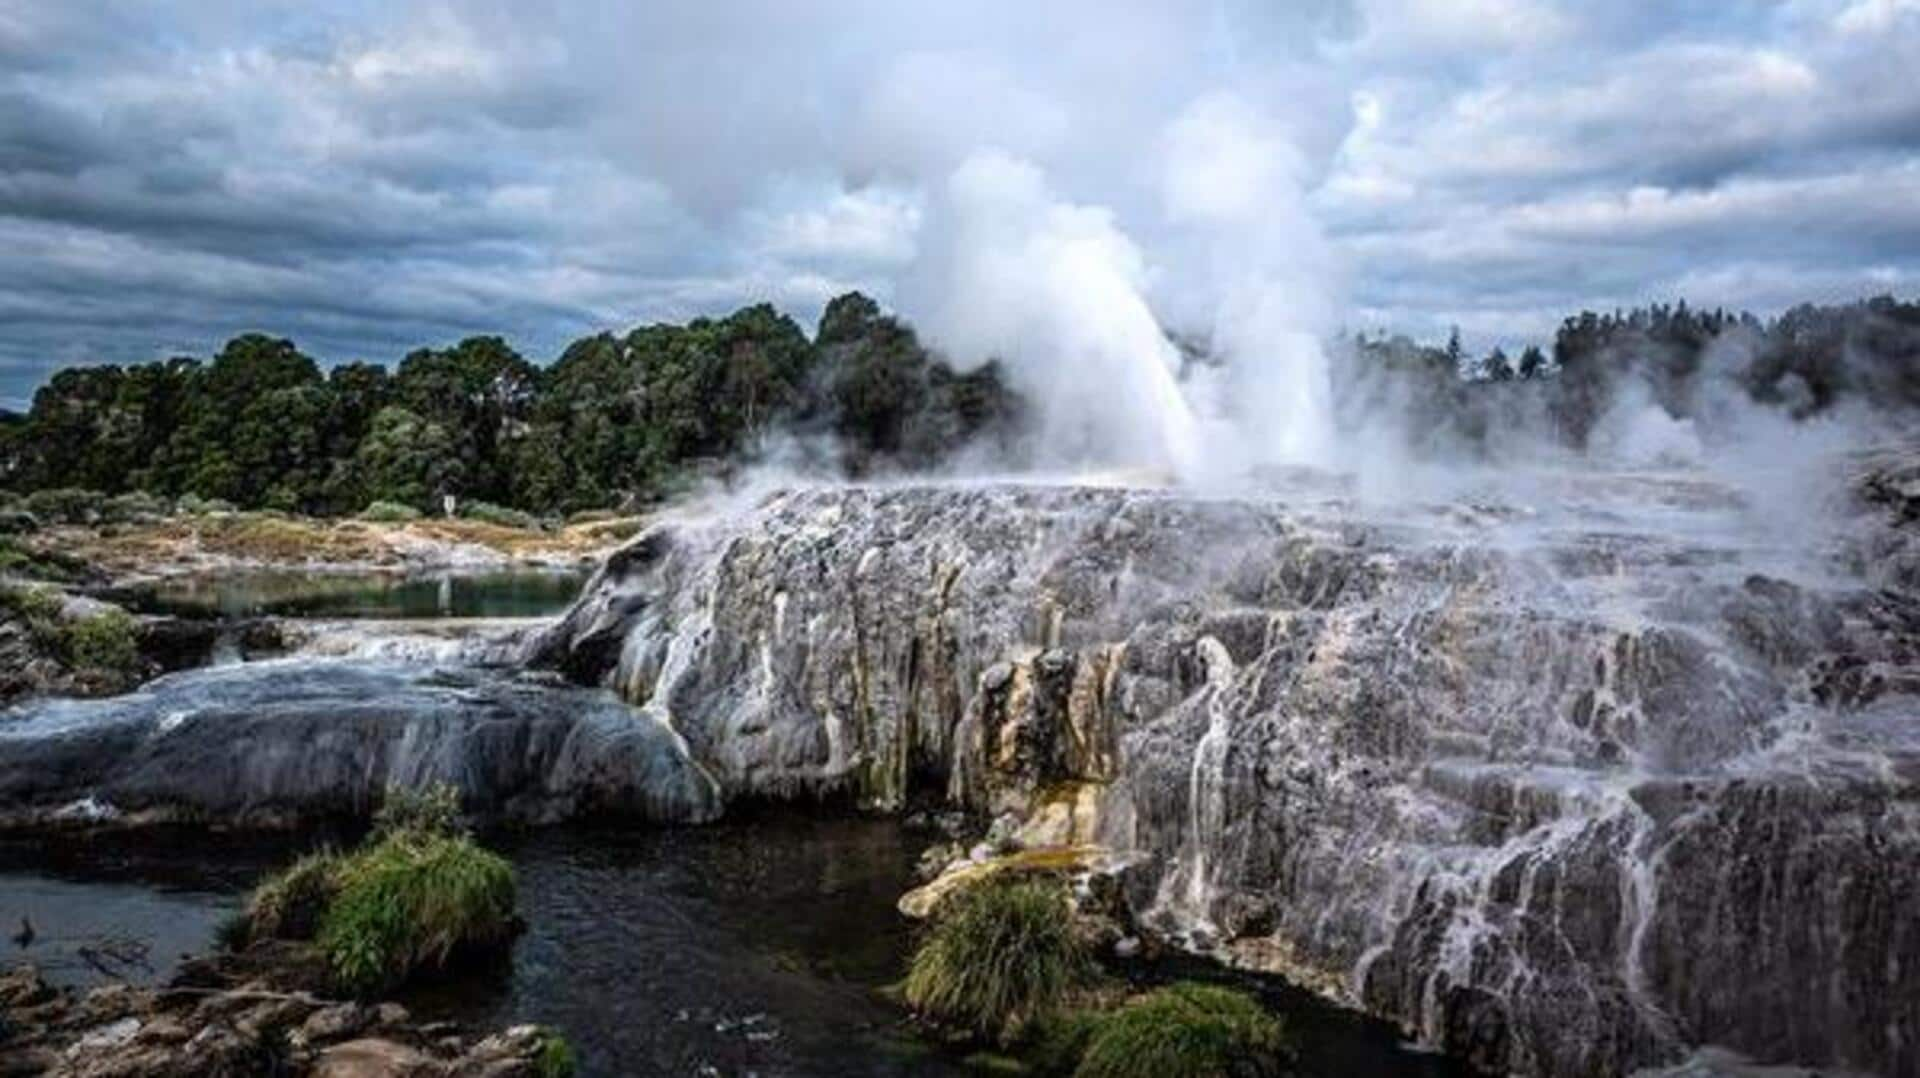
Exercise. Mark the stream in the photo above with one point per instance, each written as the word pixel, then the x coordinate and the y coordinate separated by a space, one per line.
pixel 758 945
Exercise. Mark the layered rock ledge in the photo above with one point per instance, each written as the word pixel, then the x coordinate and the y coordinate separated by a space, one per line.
pixel 1564 791
pixel 288 742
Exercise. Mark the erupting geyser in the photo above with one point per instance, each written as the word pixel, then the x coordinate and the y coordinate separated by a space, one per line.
pixel 1062 295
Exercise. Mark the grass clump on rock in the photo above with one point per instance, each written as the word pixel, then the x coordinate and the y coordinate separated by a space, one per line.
pixel 419 892
pixel 1184 1028
pixel 489 513
pixel 556 1058
pixel 998 957
pixel 411 901
pixel 289 904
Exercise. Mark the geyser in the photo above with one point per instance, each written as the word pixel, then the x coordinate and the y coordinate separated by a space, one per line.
pixel 1061 294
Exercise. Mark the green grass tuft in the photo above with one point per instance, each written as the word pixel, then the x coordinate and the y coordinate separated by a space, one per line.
pixel 556 1058
pixel 1055 1045
pixel 998 957
pixel 289 904
pixel 408 903
pixel 1187 1028
pixel 38 607
pixel 233 932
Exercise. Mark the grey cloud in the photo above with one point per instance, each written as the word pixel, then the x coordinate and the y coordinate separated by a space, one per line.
pixel 368 177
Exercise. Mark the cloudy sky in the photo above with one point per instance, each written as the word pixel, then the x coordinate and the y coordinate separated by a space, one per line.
pixel 366 177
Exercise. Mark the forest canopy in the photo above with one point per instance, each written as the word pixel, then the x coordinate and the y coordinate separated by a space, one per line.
pixel 615 419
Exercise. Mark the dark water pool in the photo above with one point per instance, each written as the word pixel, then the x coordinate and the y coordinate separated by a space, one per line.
pixel 499 594
pixel 120 909
pixel 756 946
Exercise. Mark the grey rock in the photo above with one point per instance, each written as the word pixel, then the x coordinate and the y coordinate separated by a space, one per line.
pixel 291 740
pixel 1556 790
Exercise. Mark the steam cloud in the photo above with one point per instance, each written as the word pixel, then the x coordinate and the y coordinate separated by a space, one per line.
pixel 1060 293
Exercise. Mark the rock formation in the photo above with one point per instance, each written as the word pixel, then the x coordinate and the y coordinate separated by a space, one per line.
pixel 295 740
pixel 1566 778
pixel 1563 790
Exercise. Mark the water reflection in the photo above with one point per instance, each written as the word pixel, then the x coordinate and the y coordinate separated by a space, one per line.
pixel 760 945
pixel 512 593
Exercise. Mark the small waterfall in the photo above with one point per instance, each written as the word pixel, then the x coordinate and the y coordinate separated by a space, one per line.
pixel 1187 891
pixel 463 641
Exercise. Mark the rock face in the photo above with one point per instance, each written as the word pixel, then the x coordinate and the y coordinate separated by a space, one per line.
pixel 1565 792
pixel 291 740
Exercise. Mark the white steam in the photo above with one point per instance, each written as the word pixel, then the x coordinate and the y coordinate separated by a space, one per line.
pixel 1233 185
pixel 1054 290
pixel 1061 295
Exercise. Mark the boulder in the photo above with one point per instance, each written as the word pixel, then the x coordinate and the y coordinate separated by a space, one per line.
pixel 289 741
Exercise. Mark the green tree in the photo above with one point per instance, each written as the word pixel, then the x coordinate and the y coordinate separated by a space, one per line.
pixel 408 459
pixel 1497 367
pixel 480 392
pixel 233 441
pixel 1533 362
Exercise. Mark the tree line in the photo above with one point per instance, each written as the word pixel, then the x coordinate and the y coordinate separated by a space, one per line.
pixel 613 419
pixel 618 419
pixel 1688 362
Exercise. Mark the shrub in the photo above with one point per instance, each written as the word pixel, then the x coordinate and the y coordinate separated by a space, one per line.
pixel 408 903
pixel 39 607
pixel 21 560
pixel 1187 1028
pixel 108 641
pixel 68 505
pixel 434 810
pixel 195 505
pixel 489 513
pixel 389 513
pixel 556 1058
pixel 998 957
pixel 15 520
pixel 290 904
pixel 134 507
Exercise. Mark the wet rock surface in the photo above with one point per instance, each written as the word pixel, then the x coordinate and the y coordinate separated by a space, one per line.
pixel 238 1015
pixel 291 741
pixel 1563 787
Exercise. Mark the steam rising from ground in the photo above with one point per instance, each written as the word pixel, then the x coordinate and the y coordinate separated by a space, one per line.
pixel 1212 355
pixel 1080 315
pixel 1061 294
pixel 1056 291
